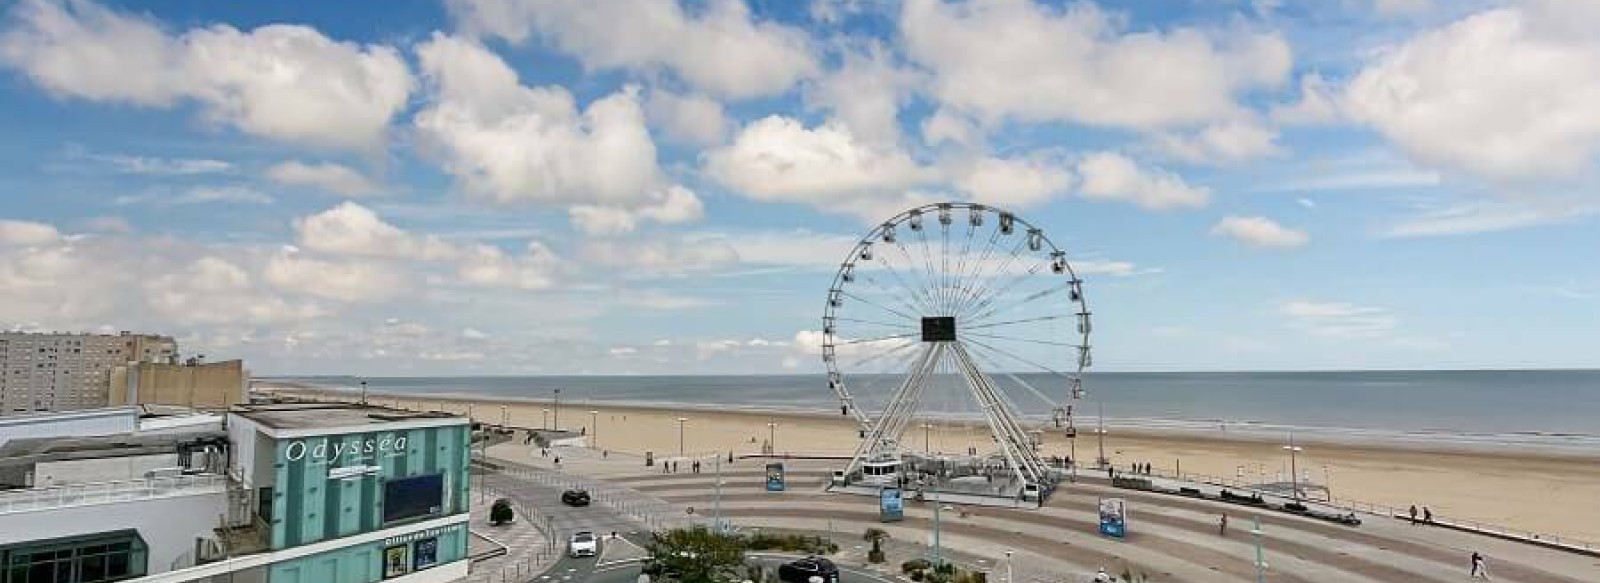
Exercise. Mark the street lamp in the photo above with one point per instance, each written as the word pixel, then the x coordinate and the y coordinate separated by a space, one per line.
pixel 1008 566
pixel 545 422
pixel 681 421
pixel 556 417
pixel 772 438
pixel 927 437
pixel 594 428
pixel 363 392
pixel 1261 559
pixel 1294 473
pixel 504 418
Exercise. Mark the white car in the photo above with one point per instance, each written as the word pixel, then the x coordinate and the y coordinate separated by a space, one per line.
pixel 583 544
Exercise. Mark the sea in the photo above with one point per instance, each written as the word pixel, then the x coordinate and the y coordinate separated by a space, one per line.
pixel 1545 409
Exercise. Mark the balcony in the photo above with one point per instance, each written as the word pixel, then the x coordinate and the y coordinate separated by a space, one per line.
pixel 55 497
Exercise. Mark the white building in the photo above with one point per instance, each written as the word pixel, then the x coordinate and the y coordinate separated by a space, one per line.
pixel 301 493
pixel 59 372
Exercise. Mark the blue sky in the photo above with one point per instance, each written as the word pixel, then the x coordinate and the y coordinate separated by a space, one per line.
pixel 614 187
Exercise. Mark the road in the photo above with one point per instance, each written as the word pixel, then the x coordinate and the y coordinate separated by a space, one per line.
pixel 629 572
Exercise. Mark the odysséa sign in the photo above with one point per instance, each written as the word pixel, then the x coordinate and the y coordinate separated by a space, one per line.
pixel 325 451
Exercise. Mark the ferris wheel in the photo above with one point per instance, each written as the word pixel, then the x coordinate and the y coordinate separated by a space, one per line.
pixel 966 294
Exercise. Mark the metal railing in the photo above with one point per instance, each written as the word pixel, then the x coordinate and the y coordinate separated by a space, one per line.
pixel 108 492
pixel 1385 510
pixel 526 564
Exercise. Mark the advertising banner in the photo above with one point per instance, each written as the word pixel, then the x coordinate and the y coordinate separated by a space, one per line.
pixel 891 505
pixel 1113 517
pixel 424 554
pixel 395 561
pixel 775 477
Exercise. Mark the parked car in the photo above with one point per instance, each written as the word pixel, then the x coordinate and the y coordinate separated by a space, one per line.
pixel 801 571
pixel 583 544
pixel 575 497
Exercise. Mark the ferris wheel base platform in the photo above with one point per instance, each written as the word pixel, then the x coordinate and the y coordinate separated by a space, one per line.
pixel 912 497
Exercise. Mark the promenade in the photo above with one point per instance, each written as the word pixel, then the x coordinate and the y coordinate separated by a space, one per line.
pixel 1170 538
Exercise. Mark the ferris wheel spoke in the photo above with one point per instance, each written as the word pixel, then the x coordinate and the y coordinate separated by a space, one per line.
pixel 1011 356
pixel 878 306
pixel 958 278
pixel 875 322
pixel 900 297
pixel 1029 340
pixel 944 266
pixel 1024 301
pixel 877 339
pixel 1017 321
pixel 988 296
pixel 927 260
pixel 916 293
pixel 885 354
pixel 1016 379
pixel 969 282
pixel 912 268
pixel 1000 270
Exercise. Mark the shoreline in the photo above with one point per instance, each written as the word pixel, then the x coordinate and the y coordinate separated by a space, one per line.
pixel 1515 445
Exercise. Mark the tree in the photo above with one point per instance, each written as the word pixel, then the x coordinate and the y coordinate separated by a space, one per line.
pixel 696 555
pixel 876 536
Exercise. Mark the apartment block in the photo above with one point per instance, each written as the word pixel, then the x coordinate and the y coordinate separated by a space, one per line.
pixel 60 372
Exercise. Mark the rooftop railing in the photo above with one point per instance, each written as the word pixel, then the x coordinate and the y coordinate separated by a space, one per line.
pixel 109 492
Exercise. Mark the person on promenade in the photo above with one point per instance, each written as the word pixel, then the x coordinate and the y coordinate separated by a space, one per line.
pixel 1222 525
pixel 1413 514
pixel 1480 570
pixel 1427 515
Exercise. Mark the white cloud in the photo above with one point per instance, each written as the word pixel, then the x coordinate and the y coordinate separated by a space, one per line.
pixel 623 351
pixel 511 143
pixel 352 229
pixel 489 266
pixel 659 257
pixel 1401 7
pixel 677 205
pixel 1481 216
pixel 114 225
pixel 864 94
pixel 1508 93
pixel 945 126
pixel 27 233
pixel 1221 143
pixel 154 166
pixel 212 290
pixel 1260 232
pixel 325 176
pixel 1020 60
pixel 1112 176
pixel 234 193
pixel 1306 202
pixel 660 300
pixel 719 49
pixel 778 159
pixel 1338 319
pixel 283 82
pixel 1318 103
pixel 1017 183
pixel 473 334
pixel 690 119
pixel 345 281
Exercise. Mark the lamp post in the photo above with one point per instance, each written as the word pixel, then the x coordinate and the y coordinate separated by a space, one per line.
pixel 927 438
pixel 1294 473
pixel 469 412
pixel 504 417
pixel 1261 559
pixel 556 415
pixel 594 428
pixel 1100 434
pixel 544 423
pixel 681 421
pixel 1008 566
pixel 772 438
pixel 363 392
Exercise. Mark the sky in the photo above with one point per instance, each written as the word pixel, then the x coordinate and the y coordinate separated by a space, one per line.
pixel 487 187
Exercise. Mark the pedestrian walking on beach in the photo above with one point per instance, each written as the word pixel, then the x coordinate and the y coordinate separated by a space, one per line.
pixel 1222 525
pixel 1413 514
pixel 1480 570
pixel 1427 515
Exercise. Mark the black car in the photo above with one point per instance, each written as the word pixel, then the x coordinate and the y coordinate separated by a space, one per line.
pixel 575 497
pixel 803 570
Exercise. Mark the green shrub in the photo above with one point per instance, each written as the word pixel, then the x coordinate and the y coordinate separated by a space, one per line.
pixel 915 565
pixel 916 575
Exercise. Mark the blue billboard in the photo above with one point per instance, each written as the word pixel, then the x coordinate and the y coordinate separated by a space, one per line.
pixel 775 477
pixel 1113 517
pixel 891 505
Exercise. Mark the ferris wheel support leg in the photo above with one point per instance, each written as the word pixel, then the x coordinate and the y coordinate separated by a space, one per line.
pixel 1007 431
pixel 883 436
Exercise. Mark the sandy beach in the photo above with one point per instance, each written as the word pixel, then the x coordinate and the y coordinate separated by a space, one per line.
pixel 1542 492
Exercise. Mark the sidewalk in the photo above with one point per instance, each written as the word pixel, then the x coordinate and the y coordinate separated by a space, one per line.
pixel 528 551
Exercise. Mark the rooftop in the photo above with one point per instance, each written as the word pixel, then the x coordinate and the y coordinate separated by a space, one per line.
pixel 323 415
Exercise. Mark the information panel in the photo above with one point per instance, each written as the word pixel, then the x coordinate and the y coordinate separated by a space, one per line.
pixel 775 477
pixel 891 505
pixel 1113 517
